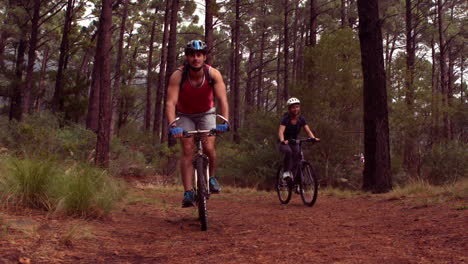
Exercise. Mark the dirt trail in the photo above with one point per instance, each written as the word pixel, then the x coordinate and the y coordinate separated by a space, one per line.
pixel 245 228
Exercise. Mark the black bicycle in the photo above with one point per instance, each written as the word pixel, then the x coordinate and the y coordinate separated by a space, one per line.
pixel 304 182
pixel 201 173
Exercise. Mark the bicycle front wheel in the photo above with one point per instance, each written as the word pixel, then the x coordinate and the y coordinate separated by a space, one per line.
pixel 283 187
pixel 309 185
pixel 202 194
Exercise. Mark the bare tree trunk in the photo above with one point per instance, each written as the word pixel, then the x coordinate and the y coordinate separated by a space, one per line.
pixel 377 175
pixel 162 75
pixel 313 23
pixel 443 70
pixel 15 101
pixel 103 54
pixel 278 78
pixel 118 69
pixel 27 89
pixel 249 97
pixel 286 51
pixel 58 100
pixel 41 89
pixel 260 70
pixel 344 21
pixel 236 75
pixel 94 94
pixel 435 101
pixel 171 58
pixel 149 79
pixel 209 7
pixel 294 40
pixel 409 155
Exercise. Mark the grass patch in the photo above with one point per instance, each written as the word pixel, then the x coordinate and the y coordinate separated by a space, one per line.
pixel 28 182
pixel 423 194
pixel 340 193
pixel 75 232
pixel 77 190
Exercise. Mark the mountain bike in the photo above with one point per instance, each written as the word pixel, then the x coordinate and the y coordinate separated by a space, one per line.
pixel 201 173
pixel 304 182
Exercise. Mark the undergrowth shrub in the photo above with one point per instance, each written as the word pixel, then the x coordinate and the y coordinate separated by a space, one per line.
pixel 86 191
pixel 28 182
pixel 445 163
pixel 78 190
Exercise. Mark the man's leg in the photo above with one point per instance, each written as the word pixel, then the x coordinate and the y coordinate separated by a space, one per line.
pixel 186 166
pixel 209 150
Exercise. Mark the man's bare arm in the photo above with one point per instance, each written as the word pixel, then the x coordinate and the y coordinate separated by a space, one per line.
pixel 173 95
pixel 220 93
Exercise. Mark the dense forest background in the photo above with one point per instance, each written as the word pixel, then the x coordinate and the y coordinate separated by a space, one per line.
pixel 85 82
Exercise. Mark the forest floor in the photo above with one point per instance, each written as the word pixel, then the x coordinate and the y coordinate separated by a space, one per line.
pixel 245 226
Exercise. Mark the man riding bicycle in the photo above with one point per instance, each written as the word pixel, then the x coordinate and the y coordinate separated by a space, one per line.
pixel 290 126
pixel 191 93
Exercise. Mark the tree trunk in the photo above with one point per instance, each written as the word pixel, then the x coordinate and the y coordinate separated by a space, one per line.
pixel 41 89
pixel 162 75
pixel 410 156
pixel 103 54
pixel 118 69
pixel 27 89
pixel 443 70
pixel 313 23
pixel 236 74
pixel 278 78
pixel 249 96
pixel 149 79
pixel 209 7
pixel 286 51
pixel 294 40
pixel 93 106
pixel 344 21
pixel 377 174
pixel 260 69
pixel 58 100
pixel 434 101
pixel 15 101
pixel 171 59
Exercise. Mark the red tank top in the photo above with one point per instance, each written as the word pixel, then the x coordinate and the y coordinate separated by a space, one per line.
pixel 193 100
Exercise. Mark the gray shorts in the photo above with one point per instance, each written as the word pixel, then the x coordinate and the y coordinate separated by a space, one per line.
pixel 202 121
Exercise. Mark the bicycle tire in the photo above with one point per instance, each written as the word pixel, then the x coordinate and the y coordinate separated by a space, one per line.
pixel 202 194
pixel 283 187
pixel 309 185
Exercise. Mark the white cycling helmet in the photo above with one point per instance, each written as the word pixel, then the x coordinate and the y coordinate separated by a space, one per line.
pixel 292 100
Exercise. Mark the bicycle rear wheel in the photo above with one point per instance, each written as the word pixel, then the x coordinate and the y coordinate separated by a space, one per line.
pixel 202 194
pixel 309 185
pixel 283 187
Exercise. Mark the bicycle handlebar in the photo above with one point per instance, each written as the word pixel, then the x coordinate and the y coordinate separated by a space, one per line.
pixel 300 140
pixel 210 132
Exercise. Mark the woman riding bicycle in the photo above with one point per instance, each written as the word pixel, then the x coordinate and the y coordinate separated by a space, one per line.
pixel 290 126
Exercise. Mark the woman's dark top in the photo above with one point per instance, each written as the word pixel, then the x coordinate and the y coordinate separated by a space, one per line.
pixel 292 131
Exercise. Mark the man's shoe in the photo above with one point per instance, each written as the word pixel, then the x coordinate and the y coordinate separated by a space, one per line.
pixel 189 199
pixel 287 175
pixel 214 185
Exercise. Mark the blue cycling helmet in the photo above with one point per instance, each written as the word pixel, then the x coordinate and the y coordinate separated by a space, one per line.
pixel 195 45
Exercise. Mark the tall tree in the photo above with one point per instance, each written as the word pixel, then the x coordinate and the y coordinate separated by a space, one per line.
pixel 118 67
pixel 236 88
pixel 149 79
pixel 15 101
pixel 376 176
pixel 410 159
pixel 162 74
pixel 209 10
pixel 443 69
pixel 103 54
pixel 27 88
pixel 57 100
pixel 286 50
pixel 171 56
